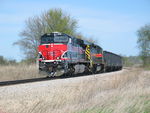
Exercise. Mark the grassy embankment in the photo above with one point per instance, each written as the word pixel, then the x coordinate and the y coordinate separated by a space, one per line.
pixel 127 92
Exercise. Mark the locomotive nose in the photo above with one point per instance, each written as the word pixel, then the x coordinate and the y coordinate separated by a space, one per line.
pixel 55 54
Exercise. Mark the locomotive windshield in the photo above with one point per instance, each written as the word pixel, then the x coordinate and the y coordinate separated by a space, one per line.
pixel 46 40
pixel 54 39
pixel 61 39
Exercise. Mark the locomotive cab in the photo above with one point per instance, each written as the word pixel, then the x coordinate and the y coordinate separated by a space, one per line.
pixel 54 38
pixel 52 49
pixel 53 46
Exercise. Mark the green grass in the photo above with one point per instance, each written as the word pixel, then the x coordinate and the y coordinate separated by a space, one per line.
pixel 97 110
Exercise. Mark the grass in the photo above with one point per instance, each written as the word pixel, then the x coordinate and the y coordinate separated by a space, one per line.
pixel 147 67
pixel 96 110
pixel 16 72
pixel 124 92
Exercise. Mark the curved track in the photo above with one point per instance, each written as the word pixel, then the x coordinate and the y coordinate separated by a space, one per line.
pixel 24 81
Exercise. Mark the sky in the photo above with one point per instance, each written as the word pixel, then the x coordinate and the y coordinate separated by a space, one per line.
pixel 112 23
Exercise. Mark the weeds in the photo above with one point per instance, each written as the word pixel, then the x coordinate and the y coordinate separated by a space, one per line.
pixel 127 91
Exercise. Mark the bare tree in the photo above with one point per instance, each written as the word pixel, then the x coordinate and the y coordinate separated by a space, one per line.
pixel 50 21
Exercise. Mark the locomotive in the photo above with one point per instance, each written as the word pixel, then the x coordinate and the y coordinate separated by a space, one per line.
pixel 62 54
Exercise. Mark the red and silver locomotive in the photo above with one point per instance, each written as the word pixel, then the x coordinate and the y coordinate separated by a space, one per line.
pixel 61 54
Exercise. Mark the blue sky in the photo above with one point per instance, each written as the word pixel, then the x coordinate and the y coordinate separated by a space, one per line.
pixel 112 23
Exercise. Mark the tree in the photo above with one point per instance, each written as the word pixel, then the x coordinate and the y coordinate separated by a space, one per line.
pixel 131 60
pixel 50 21
pixel 144 44
pixel 3 61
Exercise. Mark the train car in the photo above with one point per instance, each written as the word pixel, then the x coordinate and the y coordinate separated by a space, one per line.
pixel 61 54
pixel 113 61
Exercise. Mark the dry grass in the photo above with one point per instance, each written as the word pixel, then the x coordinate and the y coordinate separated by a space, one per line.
pixel 16 72
pixel 126 92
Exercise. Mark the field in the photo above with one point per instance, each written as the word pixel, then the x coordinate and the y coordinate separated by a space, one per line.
pixel 17 72
pixel 126 91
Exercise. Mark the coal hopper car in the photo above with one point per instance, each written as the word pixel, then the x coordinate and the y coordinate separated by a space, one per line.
pixel 113 62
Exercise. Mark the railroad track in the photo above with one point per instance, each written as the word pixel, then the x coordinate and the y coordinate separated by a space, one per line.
pixel 24 81
pixel 14 82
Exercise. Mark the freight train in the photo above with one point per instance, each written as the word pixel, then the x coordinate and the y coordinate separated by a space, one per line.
pixel 61 54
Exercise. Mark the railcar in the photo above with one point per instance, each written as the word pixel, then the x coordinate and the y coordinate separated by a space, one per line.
pixel 113 62
pixel 61 54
